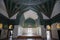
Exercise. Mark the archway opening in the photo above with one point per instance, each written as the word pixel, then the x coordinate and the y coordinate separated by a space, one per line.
pixel 29 24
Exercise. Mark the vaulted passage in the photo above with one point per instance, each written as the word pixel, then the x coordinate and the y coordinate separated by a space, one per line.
pixel 29 19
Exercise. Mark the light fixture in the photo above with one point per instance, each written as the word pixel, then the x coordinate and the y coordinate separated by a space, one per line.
pixel 10 26
pixel 1 25
pixel 58 26
pixel 48 27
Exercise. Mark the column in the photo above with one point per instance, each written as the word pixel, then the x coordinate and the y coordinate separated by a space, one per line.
pixel 10 32
pixel 48 32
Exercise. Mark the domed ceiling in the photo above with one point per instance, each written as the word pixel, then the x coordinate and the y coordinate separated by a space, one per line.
pixel 29 2
pixel 49 9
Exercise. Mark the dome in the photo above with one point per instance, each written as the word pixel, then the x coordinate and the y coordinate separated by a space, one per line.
pixel 30 2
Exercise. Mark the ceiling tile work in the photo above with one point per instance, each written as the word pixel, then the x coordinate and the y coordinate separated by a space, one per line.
pixel 3 9
pixel 44 16
pixel 14 16
pixel 29 2
pixel 30 14
pixel 56 9
pixel 10 7
pixel 49 8
pixel 13 6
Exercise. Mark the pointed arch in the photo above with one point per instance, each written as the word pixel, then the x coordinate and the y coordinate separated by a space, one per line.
pixel 40 17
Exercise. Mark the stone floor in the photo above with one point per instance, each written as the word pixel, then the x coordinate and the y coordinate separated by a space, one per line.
pixel 27 39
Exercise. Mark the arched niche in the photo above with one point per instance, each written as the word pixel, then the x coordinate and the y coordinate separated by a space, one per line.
pixel 40 17
pixel 22 30
pixel 29 23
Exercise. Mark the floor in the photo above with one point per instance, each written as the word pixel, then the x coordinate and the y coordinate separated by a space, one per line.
pixel 22 39
pixel 26 39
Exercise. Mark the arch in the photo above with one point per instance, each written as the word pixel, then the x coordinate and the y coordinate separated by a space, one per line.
pixel 30 14
pixel 40 17
pixel 29 23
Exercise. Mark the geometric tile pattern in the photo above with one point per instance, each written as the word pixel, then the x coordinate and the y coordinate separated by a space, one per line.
pixel 9 9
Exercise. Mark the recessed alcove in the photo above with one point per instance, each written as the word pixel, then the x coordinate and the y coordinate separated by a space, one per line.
pixel 30 26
